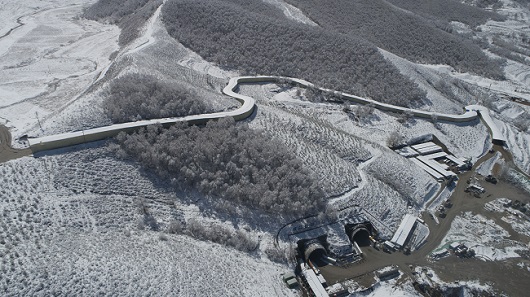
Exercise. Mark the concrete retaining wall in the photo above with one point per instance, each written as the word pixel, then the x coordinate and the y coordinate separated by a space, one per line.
pixel 246 109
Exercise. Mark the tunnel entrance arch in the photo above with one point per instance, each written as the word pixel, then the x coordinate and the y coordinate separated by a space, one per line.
pixel 361 237
pixel 314 250
pixel 360 233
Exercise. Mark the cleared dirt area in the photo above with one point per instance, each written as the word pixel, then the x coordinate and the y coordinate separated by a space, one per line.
pixel 504 275
pixel 6 151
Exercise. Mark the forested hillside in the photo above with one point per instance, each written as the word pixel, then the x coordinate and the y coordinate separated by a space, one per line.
pixel 448 10
pixel 130 15
pixel 228 161
pixel 255 38
pixel 403 33
pixel 136 97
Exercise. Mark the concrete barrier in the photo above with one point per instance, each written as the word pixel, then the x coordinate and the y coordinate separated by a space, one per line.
pixel 79 137
pixel 247 108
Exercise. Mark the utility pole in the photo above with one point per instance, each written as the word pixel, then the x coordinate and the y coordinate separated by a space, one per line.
pixel 37 115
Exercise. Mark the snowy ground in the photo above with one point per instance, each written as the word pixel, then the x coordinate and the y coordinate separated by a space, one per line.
pixel 284 112
pixel 48 62
pixel 292 12
pixel 518 143
pixel 154 53
pixel 488 239
pixel 70 219
pixel 486 168
pixel 447 96
pixel 427 276
pixel 517 220
pixel 439 199
pixel 63 226
pixel 389 288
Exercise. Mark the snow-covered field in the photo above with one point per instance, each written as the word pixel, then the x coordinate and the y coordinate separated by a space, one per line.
pixel 70 221
pixel 313 140
pixel 48 62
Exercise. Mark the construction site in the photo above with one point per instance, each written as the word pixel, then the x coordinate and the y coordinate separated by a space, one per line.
pixel 436 161
pixel 330 254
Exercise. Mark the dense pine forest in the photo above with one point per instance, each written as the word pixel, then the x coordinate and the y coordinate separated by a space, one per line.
pixel 129 15
pixel 232 162
pixel 448 11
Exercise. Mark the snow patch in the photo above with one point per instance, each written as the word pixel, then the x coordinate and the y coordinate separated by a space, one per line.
pixel 292 12
pixel 482 235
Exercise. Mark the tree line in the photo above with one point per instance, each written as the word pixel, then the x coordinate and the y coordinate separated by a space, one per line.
pixel 256 38
pixel 495 4
pixel 230 161
pixel 217 233
pixel 134 97
pixel 404 34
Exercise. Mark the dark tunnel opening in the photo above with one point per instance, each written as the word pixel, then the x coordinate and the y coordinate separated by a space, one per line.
pixel 317 257
pixel 361 237
pixel 315 252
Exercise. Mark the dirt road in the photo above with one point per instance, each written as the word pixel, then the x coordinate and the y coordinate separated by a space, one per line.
pixel 6 151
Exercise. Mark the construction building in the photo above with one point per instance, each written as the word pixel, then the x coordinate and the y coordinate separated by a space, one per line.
pixel 313 281
pixel 432 159
pixel 404 230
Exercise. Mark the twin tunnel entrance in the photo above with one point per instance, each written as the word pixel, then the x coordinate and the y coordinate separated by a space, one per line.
pixel 317 249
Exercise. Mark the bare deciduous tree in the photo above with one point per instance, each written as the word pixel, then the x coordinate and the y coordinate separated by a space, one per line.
pixel 136 97
pixel 229 161
pixel 129 15
pixel 219 234
pixel 395 139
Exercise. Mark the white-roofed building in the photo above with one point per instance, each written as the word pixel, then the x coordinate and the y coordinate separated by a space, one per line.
pixel 313 281
pixel 404 230
pixel 428 169
pixel 429 150
pixel 423 145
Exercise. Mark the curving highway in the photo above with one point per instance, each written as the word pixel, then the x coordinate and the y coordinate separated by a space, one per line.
pixel 472 112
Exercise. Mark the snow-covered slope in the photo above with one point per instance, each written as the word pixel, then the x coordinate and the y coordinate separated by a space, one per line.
pixel 71 220
pixel 70 235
